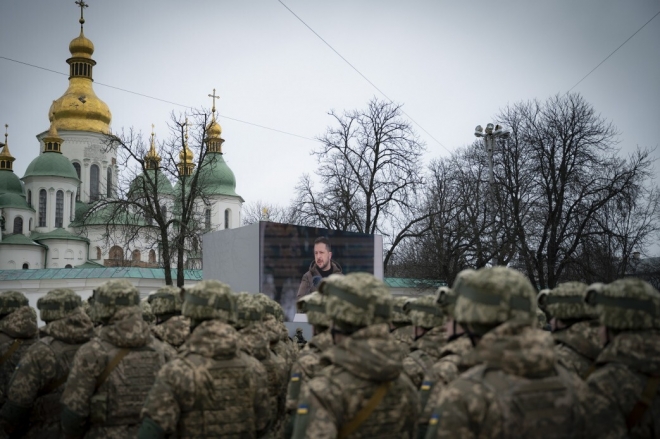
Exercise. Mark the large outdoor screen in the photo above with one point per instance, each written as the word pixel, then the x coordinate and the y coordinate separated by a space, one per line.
pixel 290 258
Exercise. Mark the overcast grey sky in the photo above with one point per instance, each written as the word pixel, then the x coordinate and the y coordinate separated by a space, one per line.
pixel 452 64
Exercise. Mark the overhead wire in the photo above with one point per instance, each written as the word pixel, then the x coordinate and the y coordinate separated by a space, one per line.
pixel 613 52
pixel 361 74
pixel 162 100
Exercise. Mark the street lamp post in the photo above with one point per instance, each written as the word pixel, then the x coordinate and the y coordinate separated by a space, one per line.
pixel 492 132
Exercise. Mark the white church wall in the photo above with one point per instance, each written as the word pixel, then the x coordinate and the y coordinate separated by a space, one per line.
pixel 12 257
pixel 11 213
pixel 64 253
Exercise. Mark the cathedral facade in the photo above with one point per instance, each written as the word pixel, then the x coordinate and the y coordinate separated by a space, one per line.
pixel 41 213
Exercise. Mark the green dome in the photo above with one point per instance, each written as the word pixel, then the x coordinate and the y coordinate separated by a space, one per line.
pixel 164 185
pixel 10 183
pixel 51 164
pixel 215 176
pixel 16 201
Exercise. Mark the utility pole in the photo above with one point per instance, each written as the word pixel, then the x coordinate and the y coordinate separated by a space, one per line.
pixel 492 132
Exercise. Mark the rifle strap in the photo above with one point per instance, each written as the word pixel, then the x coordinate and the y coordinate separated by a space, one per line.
pixel 15 345
pixel 111 366
pixel 645 401
pixel 364 413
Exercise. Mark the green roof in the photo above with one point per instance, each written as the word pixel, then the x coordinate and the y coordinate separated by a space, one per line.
pixel 57 234
pixel 105 215
pixel 95 273
pixel 407 282
pixel 10 183
pixel 216 178
pixel 18 239
pixel 51 164
pixel 14 200
pixel 164 185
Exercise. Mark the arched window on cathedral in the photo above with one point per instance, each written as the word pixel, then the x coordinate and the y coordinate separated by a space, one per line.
pixel 152 256
pixel 26 266
pixel 163 211
pixel 98 253
pixel 136 256
pixel 30 225
pixel 29 197
pixel 77 168
pixel 207 219
pixel 227 218
pixel 109 183
pixel 59 209
pixel 116 256
pixel 18 225
pixel 42 208
pixel 94 183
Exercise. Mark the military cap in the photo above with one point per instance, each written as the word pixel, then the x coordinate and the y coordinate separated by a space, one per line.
pixel 210 300
pixel 356 299
pixel 626 304
pixel 494 295
pixel 10 301
pixel 446 298
pixel 112 296
pixel 313 305
pixel 166 300
pixel 425 312
pixel 249 310
pixel 399 316
pixel 566 301
pixel 57 304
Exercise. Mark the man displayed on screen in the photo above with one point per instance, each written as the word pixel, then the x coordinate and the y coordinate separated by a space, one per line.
pixel 322 266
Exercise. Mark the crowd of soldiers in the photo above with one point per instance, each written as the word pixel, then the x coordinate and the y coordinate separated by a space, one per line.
pixel 487 358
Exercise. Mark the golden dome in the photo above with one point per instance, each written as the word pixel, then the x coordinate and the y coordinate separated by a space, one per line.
pixel 81 46
pixel 213 129
pixel 186 155
pixel 152 158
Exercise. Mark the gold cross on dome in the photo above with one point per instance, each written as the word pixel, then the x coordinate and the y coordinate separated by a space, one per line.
pixel 82 5
pixel 214 98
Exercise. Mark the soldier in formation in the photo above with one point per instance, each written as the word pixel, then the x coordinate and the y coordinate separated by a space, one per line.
pixel 299 339
pixel 428 320
pixel 171 327
pixel 627 371
pixel 18 330
pixel 574 326
pixel 33 396
pixel 362 390
pixel 112 374
pixel 211 389
pixel 401 325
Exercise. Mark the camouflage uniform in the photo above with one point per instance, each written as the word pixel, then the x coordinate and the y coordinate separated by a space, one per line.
pixel 447 368
pixel 211 389
pixel 309 360
pixel 401 325
pixel 33 396
pixel 299 339
pixel 171 327
pixel 362 370
pixel 147 314
pixel 112 374
pixel 18 330
pixel 577 344
pixel 424 313
pixel 628 368
pixel 516 388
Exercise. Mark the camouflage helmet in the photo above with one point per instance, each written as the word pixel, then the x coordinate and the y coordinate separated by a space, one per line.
pixel 313 305
pixel 271 307
pixel 399 317
pixel 425 312
pixel 494 295
pixel 446 298
pixel 210 300
pixel 249 310
pixel 356 300
pixel 166 300
pixel 566 302
pixel 541 318
pixel 10 301
pixel 112 296
pixel 626 304
pixel 147 313
pixel 57 304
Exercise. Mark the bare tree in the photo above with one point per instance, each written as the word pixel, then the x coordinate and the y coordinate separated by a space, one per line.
pixel 146 210
pixel 263 211
pixel 556 174
pixel 370 177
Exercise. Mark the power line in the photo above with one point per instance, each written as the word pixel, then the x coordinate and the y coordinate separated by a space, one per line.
pixel 360 73
pixel 161 100
pixel 613 52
